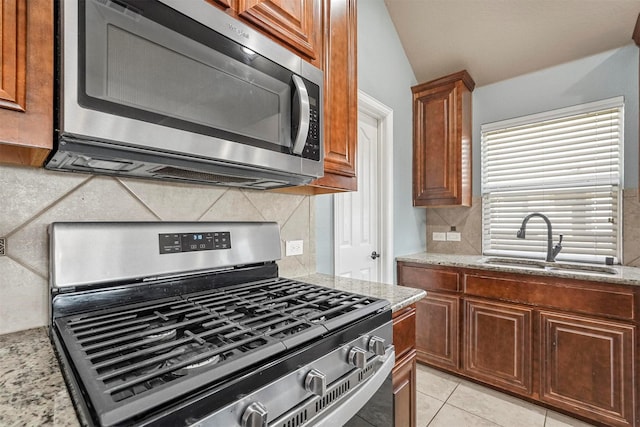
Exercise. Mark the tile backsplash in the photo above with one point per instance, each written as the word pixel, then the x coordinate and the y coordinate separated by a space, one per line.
pixel 468 221
pixel 30 199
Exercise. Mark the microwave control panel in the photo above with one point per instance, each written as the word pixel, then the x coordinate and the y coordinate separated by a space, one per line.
pixel 171 243
pixel 311 148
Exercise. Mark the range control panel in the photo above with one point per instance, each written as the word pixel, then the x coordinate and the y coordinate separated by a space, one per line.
pixel 190 242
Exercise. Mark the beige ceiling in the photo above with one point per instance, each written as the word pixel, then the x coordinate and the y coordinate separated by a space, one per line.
pixel 499 39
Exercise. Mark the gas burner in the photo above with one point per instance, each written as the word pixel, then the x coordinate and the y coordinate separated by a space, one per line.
pixel 160 337
pixel 192 351
pixel 196 366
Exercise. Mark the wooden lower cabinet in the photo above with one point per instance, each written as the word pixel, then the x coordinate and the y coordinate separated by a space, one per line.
pixel 404 391
pixel 588 367
pixel 497 343
pixel 568 344
pixel 404 371
pixel 437 330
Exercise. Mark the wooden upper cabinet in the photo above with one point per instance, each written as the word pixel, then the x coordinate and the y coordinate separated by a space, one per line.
pixel 442 141
pixel 340 95
pixel 293 22
pixel 339 63
pixel 26 81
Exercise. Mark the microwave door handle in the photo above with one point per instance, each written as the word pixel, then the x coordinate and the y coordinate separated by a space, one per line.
pixel 303 106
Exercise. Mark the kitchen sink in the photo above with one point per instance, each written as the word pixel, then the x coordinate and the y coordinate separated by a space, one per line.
pixel 532 264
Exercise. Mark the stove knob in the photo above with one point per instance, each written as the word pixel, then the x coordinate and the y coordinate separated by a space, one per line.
pixel 376 346
pixel 358 357
pixel 316 382
pixel 255 415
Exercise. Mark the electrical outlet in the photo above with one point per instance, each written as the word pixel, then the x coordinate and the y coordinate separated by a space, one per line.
pixel 294 247
pixel 453 236
pixel 439 237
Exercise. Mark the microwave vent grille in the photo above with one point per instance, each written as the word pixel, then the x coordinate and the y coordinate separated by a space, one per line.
pixel 171 172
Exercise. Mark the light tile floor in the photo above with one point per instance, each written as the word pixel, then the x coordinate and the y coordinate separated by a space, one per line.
pixel 447 401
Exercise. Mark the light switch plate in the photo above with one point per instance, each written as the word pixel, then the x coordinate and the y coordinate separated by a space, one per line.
pixel 294 247
pixel 453 236
pixel 439 237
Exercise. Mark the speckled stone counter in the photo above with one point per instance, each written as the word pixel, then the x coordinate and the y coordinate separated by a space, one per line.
pixel 623 276
pixel 398 296
pixel 33 392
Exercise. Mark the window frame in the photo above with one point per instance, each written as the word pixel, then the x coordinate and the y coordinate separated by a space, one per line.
pixel 531 119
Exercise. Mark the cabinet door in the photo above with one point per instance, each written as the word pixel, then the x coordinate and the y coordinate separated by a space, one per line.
pixel 293 22
pixel 437 330
pixel 26 81
pixel 497 344
pixel 339 63
pixel 442 141
pixel 340 96
pixel 587 367
pixel 404 391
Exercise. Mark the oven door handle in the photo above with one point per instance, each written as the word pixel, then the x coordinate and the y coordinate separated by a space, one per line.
pixel 345 409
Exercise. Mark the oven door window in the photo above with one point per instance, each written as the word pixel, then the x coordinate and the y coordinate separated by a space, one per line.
pixel 158 66
pixel 378 411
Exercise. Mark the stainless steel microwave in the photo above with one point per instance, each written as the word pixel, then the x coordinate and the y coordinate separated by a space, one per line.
pixel 179 90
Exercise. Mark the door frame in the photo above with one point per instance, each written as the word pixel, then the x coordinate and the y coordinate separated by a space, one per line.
pixel 384 115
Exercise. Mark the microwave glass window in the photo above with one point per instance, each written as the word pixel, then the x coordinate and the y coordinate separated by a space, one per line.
pixel 152 69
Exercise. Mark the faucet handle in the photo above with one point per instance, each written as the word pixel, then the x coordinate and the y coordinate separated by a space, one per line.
pixel 557 248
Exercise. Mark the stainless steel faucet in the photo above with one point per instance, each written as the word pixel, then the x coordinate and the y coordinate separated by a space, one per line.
pixel 551 252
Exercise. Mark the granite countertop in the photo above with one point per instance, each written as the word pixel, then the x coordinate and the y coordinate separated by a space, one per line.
pixel 623 276
pixel 33 392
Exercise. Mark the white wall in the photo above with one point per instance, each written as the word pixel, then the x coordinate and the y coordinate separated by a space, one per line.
pixel 384 73
pixel 605 75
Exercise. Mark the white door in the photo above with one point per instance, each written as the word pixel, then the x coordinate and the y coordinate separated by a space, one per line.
pixel 356 213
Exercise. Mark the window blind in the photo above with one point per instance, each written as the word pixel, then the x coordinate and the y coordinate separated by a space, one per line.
pixel 565 164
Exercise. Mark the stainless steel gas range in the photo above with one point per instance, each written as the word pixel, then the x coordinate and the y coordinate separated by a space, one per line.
pixel 176 323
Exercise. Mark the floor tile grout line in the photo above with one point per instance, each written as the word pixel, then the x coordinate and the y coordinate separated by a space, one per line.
pixel 436 414
pixel 480 416
pixel 482 390
pixel 443 405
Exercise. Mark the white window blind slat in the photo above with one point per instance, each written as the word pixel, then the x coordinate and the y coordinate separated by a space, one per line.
pixel 565 164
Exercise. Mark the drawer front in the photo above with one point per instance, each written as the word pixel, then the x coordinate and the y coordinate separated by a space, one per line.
pixel 428 278
pixel 579 299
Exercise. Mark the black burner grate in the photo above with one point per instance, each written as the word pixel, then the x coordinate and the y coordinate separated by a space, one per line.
pixel 137 357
